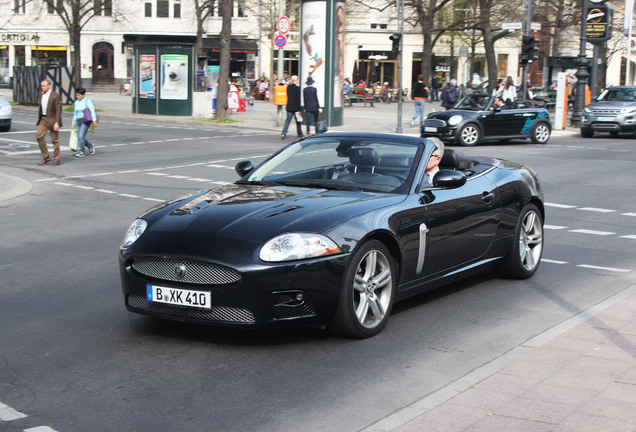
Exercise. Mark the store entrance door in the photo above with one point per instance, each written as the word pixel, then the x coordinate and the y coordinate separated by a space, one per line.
pixel 103 72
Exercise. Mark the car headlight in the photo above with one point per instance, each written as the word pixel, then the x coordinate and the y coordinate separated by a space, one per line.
pixel 587 110
pixel 5 108
pixel 454 120
pixel 134 232
pixel 296 246
pixel 628 110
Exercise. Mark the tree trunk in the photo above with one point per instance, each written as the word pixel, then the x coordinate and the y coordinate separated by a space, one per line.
pixel 224 72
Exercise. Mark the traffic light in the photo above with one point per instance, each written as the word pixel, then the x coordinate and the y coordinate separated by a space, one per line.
pixel 395 37
pixel 528 49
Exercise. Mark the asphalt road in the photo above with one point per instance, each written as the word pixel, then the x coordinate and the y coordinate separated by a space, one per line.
pixel 73 359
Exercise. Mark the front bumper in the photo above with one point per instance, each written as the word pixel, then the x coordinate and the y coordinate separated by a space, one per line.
pixel 438 129
pixel 608 121
pixel 257 295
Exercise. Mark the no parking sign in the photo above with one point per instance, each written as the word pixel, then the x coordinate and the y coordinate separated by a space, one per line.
pixel 280 41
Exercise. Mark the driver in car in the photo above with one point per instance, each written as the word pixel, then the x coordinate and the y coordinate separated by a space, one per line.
pixel 433 163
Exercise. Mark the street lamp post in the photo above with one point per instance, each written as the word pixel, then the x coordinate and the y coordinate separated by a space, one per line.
pixel 36 39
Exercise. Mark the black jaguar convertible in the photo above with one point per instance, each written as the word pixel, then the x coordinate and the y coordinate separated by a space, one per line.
pixel 475 119
pixel 332 229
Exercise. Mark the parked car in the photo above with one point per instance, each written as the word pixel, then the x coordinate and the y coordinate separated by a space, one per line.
pixel 6 113
pixel 475 119
pixel 614 111
pixel 332 229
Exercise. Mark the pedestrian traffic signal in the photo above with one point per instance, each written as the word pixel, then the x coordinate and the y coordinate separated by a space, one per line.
pixel 395 37
pixel 528 49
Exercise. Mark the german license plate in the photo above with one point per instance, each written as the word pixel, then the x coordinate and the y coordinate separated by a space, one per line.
pixel 430 129
pixel 180 297
pixel 604 119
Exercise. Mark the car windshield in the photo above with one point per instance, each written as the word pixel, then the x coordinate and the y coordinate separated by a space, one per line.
pixel 618 94
pixel 473 102
pixel 342 163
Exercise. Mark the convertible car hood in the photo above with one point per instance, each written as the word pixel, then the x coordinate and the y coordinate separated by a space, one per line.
pixel 257 212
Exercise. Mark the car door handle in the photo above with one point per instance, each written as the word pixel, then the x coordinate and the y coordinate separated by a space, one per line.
pixel 488 197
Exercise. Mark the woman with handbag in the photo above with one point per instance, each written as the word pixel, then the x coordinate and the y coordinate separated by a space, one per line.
pixel 84 117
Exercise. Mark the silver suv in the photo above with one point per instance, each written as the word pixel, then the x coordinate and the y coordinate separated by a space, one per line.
pixel 614 111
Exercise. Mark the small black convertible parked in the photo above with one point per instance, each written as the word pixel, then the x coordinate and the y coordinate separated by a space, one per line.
pixel 332 229
pixel 475 119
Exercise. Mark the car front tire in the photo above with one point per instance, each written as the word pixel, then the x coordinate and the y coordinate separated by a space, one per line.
pixel 469 135
pixel 587 133
pixel 367 293
pixel 540 133
pixel 527 247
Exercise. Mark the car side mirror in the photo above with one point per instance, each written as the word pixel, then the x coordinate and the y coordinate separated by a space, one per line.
pixel 449 179
pixel 496 109
pixel 243 168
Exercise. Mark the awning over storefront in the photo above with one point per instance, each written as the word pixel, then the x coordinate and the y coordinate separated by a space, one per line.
pixel 236 46
pixel 131 39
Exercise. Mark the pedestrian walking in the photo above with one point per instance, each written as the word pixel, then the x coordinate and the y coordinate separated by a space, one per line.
pixel 419 94
pixel 449 94
pixel 49 120
pixel 84 117
pixel 294 109
pixel 312 106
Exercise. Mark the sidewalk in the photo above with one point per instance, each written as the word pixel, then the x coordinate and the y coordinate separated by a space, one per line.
pixel 577 376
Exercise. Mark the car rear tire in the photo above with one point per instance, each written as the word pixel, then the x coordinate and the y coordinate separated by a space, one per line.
pixel 527 247
pixel 367 293
pixel 6 128
pixel 540 133
pixel 587 133
pixel 469 135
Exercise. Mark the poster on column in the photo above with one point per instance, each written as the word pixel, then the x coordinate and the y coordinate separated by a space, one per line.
pixel 174 76
pixel 338 76
pixel 313 45
pixel 147 66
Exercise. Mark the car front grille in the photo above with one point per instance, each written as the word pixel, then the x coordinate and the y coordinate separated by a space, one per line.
pixel 193 272
pixel 218 313
pixel 606 112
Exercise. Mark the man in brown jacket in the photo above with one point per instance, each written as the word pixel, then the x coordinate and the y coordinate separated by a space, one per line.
pixel 49 120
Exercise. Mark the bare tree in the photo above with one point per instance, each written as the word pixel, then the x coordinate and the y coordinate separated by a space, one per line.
pixel 226 7
pixel 203 9
pixel 75 15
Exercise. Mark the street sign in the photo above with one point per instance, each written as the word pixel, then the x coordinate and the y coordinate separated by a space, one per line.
pixel 283 25
pixel 280 41
pixel 511 26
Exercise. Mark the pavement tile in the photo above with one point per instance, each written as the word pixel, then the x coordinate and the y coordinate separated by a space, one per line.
pixel 571 344
pixel 560 394
pixel 618 348
pixel 552 354
pixel 628 377
pixel 483 399
pixel 575 379
pixel 536 410
pixel 531 369
pixel 581 422
pixel 611 409
pixel 457 416
pixel 621 392
pixel 590 364
pixel 508 384
pixel 495 423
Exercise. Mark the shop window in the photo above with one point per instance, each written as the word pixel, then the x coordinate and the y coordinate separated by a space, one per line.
pixel 19 6
pixel 163 9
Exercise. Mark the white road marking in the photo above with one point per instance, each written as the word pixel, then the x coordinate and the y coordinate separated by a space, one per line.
pixel 8 414
pixel 554 227
pixel 565 206
pixel 594 209
pixel 628 214
pixel 592 232
pixel 40 429
pixel 612 269
pixel 631 237
pixel 553 261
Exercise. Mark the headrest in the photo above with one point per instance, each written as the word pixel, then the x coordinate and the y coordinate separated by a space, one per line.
pixel 364 156
pixel 450 159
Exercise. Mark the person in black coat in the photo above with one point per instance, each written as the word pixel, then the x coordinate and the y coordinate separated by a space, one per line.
pixel 294 109
pixel 312 106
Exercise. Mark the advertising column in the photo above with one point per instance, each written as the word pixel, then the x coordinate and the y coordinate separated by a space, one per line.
pixel 322 54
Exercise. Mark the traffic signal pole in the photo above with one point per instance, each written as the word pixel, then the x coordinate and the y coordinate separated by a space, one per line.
pixel 527 46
